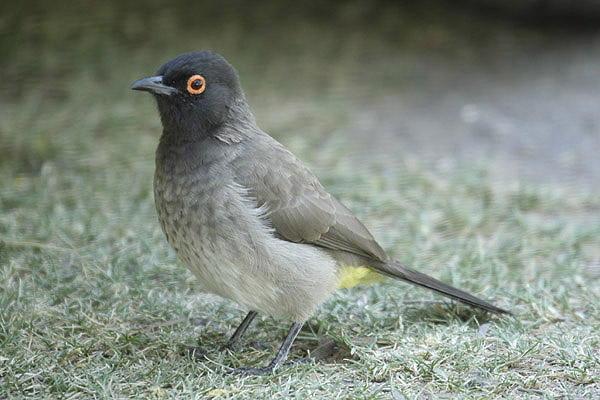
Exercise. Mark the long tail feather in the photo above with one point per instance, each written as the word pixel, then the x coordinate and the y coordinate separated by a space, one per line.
pixel 396 270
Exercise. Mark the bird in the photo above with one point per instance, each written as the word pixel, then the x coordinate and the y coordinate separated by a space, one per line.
pixel 246 216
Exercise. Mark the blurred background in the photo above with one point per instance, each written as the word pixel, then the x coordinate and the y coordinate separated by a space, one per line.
pixel 510 85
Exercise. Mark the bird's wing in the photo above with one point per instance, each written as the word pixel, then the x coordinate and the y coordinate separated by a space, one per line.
pixel 301 210
pixel 298 207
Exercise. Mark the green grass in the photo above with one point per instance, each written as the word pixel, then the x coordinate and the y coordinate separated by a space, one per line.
pixel 93 303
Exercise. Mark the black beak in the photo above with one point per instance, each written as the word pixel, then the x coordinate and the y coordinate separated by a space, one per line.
pixel 153 84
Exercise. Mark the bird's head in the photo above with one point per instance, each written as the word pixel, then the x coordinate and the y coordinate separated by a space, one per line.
pixel 195 92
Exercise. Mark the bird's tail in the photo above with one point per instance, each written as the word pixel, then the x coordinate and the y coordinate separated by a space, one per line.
pixel 396 270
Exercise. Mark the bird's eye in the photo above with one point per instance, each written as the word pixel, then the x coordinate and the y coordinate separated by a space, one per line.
pixel 196 84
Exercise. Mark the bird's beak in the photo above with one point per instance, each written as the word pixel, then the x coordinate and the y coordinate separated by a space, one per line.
pixel 154 84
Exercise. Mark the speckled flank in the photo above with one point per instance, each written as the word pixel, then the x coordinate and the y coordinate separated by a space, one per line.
pixel 259 271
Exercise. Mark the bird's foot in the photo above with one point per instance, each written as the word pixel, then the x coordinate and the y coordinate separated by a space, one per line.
pixel 269 368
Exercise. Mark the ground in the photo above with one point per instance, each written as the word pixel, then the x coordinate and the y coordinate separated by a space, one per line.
pixel 466 143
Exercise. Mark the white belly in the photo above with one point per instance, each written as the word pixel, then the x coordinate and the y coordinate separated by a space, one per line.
pixel 221 236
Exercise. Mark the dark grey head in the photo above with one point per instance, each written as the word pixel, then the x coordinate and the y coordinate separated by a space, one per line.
pixel 194 91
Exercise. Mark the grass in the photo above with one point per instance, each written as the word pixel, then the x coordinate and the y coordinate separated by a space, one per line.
pixel 94 304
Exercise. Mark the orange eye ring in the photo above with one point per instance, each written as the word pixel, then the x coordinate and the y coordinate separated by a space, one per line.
pixel 196 84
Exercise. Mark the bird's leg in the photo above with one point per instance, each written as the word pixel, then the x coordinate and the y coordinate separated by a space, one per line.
pixel 235 339
pixel 280 357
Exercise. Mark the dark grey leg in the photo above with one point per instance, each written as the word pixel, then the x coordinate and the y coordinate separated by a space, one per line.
pixel 279 358
pixel 235 339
